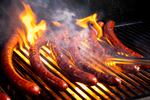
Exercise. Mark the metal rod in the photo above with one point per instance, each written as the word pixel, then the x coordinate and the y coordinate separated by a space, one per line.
pixel 142 61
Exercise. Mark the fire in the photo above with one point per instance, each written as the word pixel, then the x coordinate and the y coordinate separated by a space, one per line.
pixel 33 30
pixel 57 24
pixel 93 20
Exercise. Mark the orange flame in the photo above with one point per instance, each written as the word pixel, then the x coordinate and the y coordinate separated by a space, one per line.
pixel 33 30
pixel 93 20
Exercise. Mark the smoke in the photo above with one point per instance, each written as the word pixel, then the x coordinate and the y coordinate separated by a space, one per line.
pixel 69 36
pixel 9 11
pixel 65 12
pixel 47 8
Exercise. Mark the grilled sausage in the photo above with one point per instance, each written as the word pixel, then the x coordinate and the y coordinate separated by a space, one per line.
pixel 117 44
pixel 38 67
pixel 102 77
pixel 93 40
pixel 110 34
pixel 97 47
pixel 72 70
pixel 9 70
pixel 129 68
pixel 4 96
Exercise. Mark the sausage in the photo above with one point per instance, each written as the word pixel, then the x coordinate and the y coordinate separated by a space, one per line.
pixel 117 44
pixel 94 41
pixel 110 34
pixel 4 96
pixel 38 67
pixel 129 68
pixel 73 71
pixel 102 77
pixel 9 70
pixel 96 44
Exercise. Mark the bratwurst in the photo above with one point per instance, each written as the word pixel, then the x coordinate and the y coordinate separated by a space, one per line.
pixel 111 36
pixel 9 70
pixel 4 96
pixel 38 67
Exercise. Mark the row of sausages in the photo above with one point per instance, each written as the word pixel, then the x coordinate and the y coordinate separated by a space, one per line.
pixel 89 76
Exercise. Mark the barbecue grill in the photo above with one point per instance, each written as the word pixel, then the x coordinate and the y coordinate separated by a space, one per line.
pixel 135 35
pixel 133 86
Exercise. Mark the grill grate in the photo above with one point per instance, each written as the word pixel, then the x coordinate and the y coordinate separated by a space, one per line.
pixel 133 86
pixel 136 36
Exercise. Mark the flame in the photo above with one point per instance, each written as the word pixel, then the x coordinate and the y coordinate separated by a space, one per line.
pixel 57 24
pixel 93 20
pixel 33 30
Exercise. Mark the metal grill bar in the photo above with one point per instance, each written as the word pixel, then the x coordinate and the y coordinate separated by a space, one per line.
pixel 127 79
pixel 142 61
pixel 135 36
pixel 82 91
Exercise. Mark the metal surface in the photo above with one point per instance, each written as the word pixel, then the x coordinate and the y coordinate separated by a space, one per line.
pixel 142 61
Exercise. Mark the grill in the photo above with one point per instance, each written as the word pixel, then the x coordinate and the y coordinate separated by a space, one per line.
pixel 134 35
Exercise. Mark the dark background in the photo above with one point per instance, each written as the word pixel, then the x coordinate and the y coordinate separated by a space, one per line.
pixel 122 11
pixel 119 10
